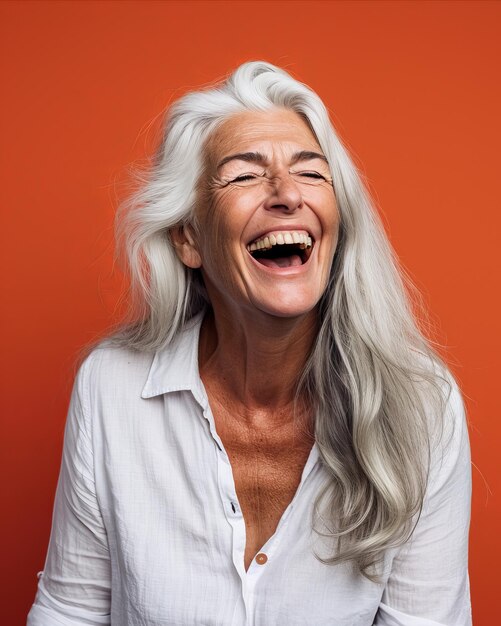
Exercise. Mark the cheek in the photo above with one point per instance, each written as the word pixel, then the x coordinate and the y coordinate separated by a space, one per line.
pixel 332 216
pixel 335 228
pixel 331 223
pixel 212 233
pixel 219 236
pixel 327 212
pixel 224 221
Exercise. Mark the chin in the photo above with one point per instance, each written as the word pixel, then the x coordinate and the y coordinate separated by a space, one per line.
pixel 292 307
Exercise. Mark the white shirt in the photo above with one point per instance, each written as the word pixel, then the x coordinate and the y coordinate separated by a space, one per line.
pixel 147 529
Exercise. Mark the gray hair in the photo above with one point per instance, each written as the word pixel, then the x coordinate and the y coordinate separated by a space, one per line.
pixel 375 383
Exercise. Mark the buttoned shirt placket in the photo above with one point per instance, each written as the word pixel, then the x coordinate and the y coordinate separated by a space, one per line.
pixel 256 572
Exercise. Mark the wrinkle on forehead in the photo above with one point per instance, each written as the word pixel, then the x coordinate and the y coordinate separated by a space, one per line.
pixel 250 128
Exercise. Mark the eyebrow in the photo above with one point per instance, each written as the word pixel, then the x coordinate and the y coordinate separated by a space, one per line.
pixel 257 157
pixel 249 157
pixel 307 155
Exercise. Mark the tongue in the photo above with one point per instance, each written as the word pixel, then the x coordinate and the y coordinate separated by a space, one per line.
pixel 282 261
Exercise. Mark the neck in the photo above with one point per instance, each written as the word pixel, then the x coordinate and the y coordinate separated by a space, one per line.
pixel 257 360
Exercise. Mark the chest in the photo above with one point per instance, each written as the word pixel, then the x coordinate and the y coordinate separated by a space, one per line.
pixel 173 551
pixel 267 472
pixel 267 465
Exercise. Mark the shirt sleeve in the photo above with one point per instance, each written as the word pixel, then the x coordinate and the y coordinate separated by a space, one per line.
pixel 428 583
pixel 74 588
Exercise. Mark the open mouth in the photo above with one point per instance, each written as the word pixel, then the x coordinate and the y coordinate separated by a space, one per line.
pixel 281 249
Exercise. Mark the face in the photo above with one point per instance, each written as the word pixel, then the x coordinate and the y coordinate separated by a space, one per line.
pixel 267 220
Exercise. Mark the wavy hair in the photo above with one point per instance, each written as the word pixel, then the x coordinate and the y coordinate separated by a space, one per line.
pixel 372 376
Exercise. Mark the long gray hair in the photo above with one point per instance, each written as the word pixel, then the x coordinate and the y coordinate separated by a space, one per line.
pixel 372 377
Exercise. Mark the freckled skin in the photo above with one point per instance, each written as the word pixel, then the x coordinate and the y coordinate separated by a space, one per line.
pixel 255 342
pixel 267 463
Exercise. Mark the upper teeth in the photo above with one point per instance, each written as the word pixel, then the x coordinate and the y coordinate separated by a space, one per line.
pixel 279 239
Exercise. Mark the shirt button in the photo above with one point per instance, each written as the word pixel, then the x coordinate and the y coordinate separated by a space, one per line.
pixel 261 558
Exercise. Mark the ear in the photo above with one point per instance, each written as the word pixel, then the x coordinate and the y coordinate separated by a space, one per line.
pixel 184 243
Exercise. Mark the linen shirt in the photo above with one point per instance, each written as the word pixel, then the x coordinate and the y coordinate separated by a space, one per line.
pixel 147 528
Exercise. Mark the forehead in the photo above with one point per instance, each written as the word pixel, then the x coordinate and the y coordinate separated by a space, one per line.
pixel 261 130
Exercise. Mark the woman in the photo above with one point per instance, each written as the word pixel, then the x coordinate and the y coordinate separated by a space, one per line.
pixel 272 441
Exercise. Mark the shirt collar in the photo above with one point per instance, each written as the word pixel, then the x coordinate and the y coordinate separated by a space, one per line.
pixel 175 367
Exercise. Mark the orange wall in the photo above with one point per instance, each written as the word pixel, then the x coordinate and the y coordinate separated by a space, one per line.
pixel 414 90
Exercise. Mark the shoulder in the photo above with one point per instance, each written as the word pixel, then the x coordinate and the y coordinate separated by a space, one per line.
pixel 450 449
pixel 118 372
pixel 112 369
pixel 441 401
pixel 452 430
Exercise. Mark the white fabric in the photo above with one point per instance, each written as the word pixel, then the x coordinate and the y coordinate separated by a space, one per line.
pixel 147 529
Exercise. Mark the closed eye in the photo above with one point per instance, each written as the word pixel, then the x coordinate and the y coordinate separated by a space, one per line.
pixel 243 177
pixel 315 175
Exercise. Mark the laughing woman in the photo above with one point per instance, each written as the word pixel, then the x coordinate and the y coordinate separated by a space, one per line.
pixel 271 441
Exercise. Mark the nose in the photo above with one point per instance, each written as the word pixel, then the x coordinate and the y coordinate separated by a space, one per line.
pixel 284 194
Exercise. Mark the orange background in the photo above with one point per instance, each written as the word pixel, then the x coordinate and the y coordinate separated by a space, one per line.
pixel 414 90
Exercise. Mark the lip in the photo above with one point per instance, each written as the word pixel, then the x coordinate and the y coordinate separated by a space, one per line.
pixel 283 228
pixel 283 271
